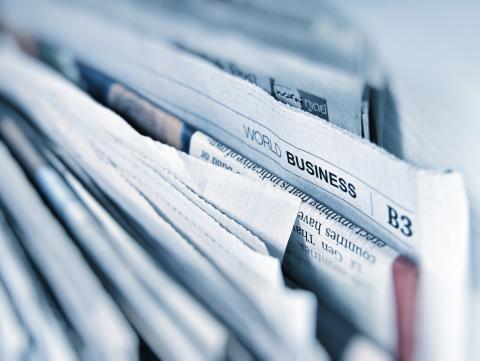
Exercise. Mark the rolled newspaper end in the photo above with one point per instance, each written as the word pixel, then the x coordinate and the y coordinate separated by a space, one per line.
pixel 51 186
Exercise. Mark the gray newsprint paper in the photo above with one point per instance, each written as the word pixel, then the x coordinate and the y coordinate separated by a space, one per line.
pixel 326 92
pixel 423 213
pixel 159 190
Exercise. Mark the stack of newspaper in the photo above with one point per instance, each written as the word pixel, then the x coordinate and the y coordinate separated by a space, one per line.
pixel 206 180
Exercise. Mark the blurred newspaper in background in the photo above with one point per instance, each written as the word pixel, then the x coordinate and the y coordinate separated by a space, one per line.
pixel 224 180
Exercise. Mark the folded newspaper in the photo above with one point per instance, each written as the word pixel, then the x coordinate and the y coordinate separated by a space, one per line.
pixel 181 180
